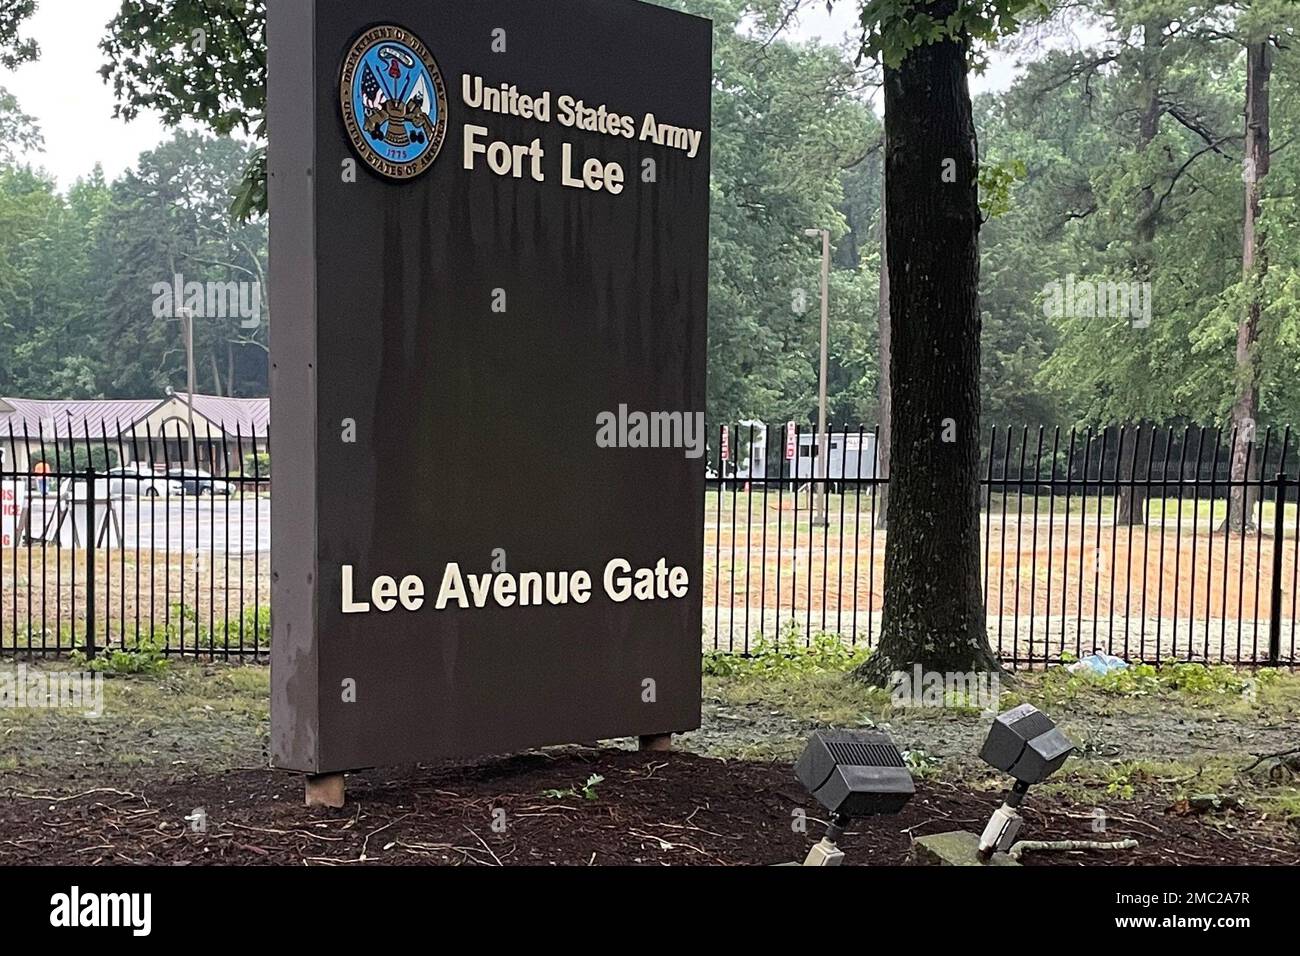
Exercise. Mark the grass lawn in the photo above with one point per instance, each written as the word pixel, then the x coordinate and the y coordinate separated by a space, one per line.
pixel 1185 729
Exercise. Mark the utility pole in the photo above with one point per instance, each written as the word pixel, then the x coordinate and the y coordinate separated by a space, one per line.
pixel 819 515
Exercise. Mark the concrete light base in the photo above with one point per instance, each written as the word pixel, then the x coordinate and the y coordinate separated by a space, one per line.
pixel 325 790
pixel 956 848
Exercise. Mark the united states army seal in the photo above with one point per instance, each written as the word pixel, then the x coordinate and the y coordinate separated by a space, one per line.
pixel 394 102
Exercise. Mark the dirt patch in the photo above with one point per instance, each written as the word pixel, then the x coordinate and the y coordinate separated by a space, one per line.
pixel 761 566
pixel 678 809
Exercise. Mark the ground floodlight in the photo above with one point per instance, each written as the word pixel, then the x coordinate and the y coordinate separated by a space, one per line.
pixel 1025 743
pixel 852 774
pixel 855 773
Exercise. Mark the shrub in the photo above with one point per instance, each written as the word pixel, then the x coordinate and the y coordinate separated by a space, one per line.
pixel 257 464
pixel 146 658
pixel 787 655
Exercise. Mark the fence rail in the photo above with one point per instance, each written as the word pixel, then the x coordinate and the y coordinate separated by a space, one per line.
pixel 1138 541
pixel 135 539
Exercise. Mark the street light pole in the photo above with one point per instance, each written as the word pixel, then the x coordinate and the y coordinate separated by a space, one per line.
pixel 819 516
pixel 187 317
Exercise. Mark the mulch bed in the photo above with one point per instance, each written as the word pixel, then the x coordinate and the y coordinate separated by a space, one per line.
pixel 652 809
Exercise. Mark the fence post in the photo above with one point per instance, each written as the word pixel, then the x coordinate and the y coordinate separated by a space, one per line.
pixel 90 558
pixel 1275 610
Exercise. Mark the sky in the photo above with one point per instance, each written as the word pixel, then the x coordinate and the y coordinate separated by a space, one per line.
pixel 74 107
pixel 68 98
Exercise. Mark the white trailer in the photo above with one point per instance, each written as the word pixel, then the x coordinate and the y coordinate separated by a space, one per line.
pixel 851 455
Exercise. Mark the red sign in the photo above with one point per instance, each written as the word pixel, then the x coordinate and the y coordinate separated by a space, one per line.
pixel 726 444
pixel 790 441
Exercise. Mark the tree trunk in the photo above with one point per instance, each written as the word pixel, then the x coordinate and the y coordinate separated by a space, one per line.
pixel 1135 445
pixel 1254 263
pixel 1131 506
pixel 933 611
pixel 1148 128
pixel 216 373
pixel 882 422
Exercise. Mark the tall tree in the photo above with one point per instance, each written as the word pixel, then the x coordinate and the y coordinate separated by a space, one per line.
pixel 168 217
pixel 1139 47
pixel 79 275
pixel 1259 28
pixel 785 127
pixel 934 608
pixel 45 309
pixel 1133 187
pixel 1131 506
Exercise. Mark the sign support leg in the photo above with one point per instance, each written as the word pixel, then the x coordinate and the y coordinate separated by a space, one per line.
pixel 325 790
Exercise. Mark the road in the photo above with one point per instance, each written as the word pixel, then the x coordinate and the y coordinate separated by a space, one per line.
pixel 184 524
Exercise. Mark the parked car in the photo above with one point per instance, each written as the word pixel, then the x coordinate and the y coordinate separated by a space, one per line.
pixel 198 482
pixel 138 481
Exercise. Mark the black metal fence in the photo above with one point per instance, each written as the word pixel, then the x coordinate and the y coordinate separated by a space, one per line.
pixel 135 539
pixel 1115 540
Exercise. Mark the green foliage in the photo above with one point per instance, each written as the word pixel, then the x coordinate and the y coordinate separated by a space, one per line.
pixel 191 60
pixel 1190 680
pixel 787 656
pixel 921 763
pixel 996 181
pixel 786 127
pixel 18 131
pixel 787 134
pixel 893 28
pixel 1283 804
pixel 14 49
pixel 252 627
pixel 78 276
pixel 250 197
pixel 257 464
pixel 78 459
pixel 587 791
pixel 1122 780
pixel 1216 679
pixel 1069 180
pixel 1133 152
pixel 145 659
